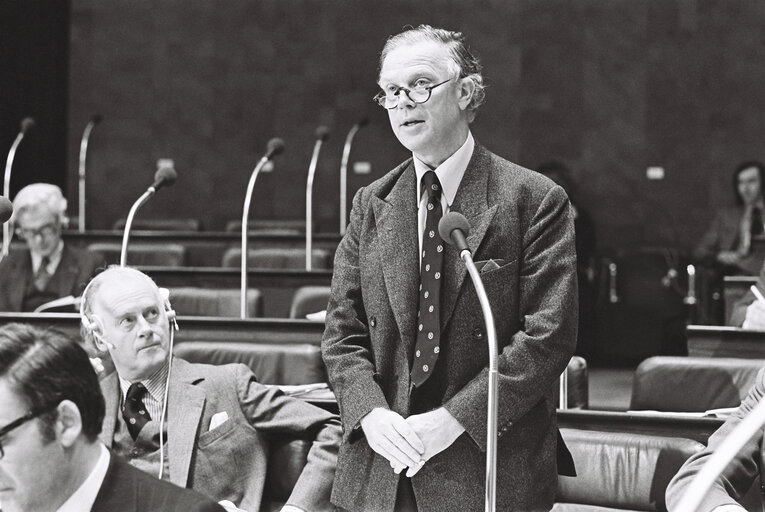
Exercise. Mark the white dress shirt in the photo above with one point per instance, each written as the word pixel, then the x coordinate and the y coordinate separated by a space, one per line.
pixel 449 174
pixel 53 260
pixel 83 498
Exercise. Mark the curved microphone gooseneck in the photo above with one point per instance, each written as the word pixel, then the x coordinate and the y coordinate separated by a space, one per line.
pixel 275 147
pixel 165 176
pixel 26 124
pixel 322 134
pixel 453 228
pixel 81 170
pixel 344 171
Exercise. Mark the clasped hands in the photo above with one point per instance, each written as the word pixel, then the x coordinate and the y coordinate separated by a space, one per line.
pixel 409 443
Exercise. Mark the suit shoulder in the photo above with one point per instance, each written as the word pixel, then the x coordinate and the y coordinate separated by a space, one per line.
pixel 382 185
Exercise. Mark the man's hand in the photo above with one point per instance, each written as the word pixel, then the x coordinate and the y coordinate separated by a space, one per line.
pixel 438 429
pixel 389 434
pixel 728 257
pixel 755 316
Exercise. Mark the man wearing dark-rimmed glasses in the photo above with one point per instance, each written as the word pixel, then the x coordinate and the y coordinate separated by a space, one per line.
pixel 49 269
pixel 404 343
pixel 51 460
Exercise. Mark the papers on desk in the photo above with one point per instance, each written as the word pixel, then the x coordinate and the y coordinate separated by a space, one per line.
pixel 712 413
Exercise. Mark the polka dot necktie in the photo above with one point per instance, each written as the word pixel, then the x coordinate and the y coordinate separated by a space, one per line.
pixel 426 348
pixel 133 410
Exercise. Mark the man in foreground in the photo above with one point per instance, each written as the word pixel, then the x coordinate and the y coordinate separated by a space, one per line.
pixel 405 341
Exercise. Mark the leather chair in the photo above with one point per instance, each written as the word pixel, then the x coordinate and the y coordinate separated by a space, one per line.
pixel 619 471
pixel 309 299
pixel 271 363
pixel 278 258
pixel 161 224
pixel 160 255
pixel 692 384
pixel 224 302
pixel 286 459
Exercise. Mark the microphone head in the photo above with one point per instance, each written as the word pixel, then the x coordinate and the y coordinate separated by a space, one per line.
pixel 363 122
pixel 96 118
pixel 27 124
pixel 274 147
pixel 6 209
pixel 322 133
pixel 450 222
pixel 165 176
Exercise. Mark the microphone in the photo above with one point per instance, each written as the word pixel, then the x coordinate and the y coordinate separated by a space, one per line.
pixel 94 120
pixel 344 170
pixel 164 177
pixel 274 147
pixel 453 228
pixel 322 134
pixel 6 209
pixel 26 124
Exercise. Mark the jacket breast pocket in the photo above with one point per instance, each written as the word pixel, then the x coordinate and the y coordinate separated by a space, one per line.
pixel 218 432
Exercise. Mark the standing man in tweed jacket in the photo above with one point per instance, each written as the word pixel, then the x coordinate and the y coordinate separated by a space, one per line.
pixel 405 342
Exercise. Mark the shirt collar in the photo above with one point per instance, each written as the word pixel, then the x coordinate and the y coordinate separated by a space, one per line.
pixel 450 172
pixel 155 384
pixel 53 260
pixel 85 495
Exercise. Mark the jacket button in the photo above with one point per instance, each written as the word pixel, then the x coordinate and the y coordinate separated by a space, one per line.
pixel 478 333
pixel 372 321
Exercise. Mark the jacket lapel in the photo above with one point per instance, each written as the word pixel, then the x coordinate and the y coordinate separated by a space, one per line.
pixel 111 391
pixel 22 267
pixel 472 202
pixel 396 223
pixel 185 404
pixel 68 271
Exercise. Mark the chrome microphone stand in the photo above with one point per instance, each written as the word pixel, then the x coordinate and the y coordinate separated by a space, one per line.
pixel 81 170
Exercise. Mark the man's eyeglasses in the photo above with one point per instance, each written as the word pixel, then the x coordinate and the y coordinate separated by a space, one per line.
pixel 45 231
pixel 20 421
pixel 418 94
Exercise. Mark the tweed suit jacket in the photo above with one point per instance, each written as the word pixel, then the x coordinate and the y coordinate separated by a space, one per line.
pixel 739 474
pixel 127 489
pixel 76 268
pixel 517 217
pixel 229 461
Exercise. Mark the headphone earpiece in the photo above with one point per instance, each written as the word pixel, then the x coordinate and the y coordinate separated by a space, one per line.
pixel 91 325
pixel 169 311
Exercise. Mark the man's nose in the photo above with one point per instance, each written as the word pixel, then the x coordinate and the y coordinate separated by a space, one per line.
pixel 144 327
pixel 404 100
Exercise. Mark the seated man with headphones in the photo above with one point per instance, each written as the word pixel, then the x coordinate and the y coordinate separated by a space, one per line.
pixel 199 426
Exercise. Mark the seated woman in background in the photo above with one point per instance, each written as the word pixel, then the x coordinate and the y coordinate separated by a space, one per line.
pixel 728 241
pixel 49 268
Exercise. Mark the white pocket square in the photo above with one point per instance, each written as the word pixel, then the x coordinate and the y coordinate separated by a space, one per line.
pixel 218 419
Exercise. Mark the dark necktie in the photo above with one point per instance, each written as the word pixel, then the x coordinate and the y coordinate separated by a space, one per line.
pixel 133 410
pixel 42 276
pixel 426 348
pixel 757 227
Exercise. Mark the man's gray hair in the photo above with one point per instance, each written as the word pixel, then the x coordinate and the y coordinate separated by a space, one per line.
pixel 40 195
pixel 463 64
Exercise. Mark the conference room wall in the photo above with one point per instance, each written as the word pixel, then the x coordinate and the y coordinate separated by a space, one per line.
pixel 608 86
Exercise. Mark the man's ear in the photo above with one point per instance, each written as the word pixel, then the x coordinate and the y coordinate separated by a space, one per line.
pixel 466 89
pixel 68 423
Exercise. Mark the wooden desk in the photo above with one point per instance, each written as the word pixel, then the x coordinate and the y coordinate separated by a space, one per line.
pixel 734 287
pixel 205 248
pixel 254 330
pixel 277 286
pixel 698 429
pixel 722 341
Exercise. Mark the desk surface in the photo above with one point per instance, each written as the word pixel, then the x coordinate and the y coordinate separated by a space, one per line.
pixel 724 341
